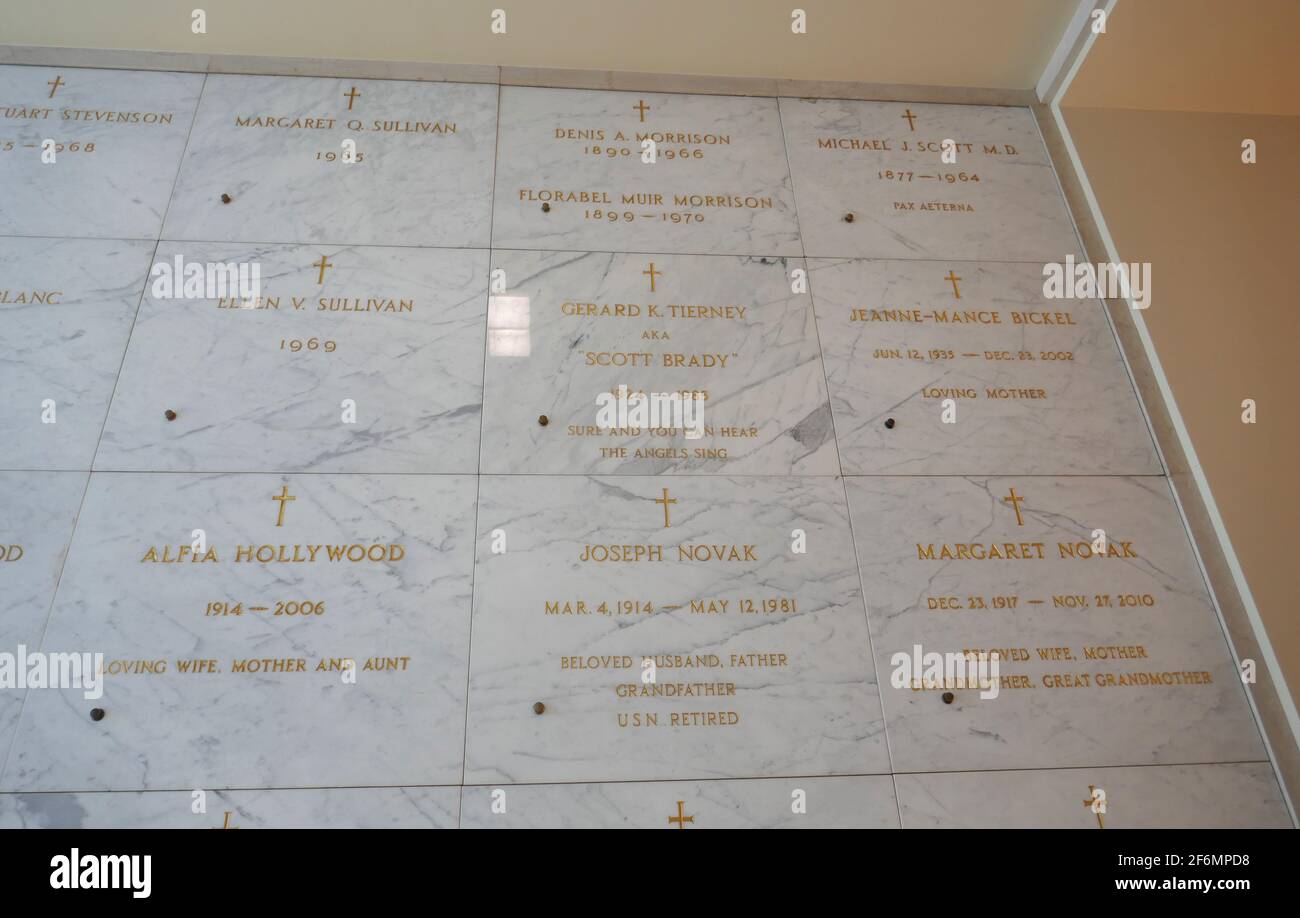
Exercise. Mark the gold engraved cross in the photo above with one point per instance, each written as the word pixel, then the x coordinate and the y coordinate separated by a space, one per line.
pixel 351 97
pixel 665 500
pixel 1015 500
pixel 681 818
pixel 1092 788
pixel 283 497
pixel 652 273
pixel 952 278
pixel 322 264
pixel 910 119
pixel 642 108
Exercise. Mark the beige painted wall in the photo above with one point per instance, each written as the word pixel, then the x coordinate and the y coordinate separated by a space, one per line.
pixel 1001 44
pixel 1223 242
pixel 1195 55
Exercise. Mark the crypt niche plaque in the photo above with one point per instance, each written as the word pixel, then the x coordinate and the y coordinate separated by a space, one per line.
pixel 653 364
pixel 259 631
pixel 1241 795
pixel 293 808
pixel 573 172
pixel 1110 651
pixel 91 152
pixel 356 162
pixel 630 628
pixel 958 368
pixel 39 510
pixel 362 359
pixel 839 802
pixel 872 180
pixel 67 307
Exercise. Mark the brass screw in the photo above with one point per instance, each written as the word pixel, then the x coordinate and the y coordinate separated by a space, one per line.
pixel 539 708
pixel 169 414
pixel 948 697
pixel 96 714
pixel 226 199
pixel 848 218
pixel 546 208
pixel 889 423
pixel 543 420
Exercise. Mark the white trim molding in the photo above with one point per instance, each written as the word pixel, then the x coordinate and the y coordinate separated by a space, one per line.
pixel 1060 73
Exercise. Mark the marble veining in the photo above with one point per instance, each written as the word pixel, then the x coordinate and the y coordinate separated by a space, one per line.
pixel 296 808
pixel 747 634
pixel 422 173
pixel 1037 386
pixel 998 201
pixel 719 183
pixel 1231 796
pixel 372 363
pixel 724 331
pixel 116 139
pixel 1114 658
pixel 378 570
pixel 67 306
pixel 771 803
pixel 37 513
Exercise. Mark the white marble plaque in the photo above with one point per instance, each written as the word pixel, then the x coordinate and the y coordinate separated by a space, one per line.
pixel 746 634
pixel 1037 386
pixel 1237 796
pixel 298 808
pixel 231 670
pixel 420 169
pixel 116 138
pixel 357 359
pixel 998 201
pixel 1110 655
pixel 724 334
pixel 67 307
pixel 37 513
pixel 793 803
pixel 719 183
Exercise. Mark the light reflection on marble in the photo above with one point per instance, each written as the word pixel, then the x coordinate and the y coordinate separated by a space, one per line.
pixel 246 401
pixel 416 182
pixel 520 651
pixel 311 808
pixel 1235 796
pixel 129 128
pixel 766 402
pixel 830 803
pixel 37 513
pixel 1085 724
pixel 561 140
pixel 393 725
pixel 64 344
pixel 1019 212
pixel 1088 423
